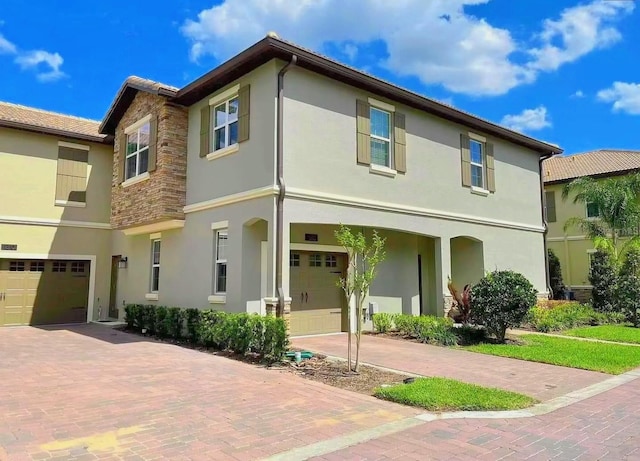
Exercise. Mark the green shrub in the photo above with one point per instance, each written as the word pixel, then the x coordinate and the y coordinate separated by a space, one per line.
pixel 382 322
pixel 560 317
pixel 603 280
pixel 501 300
pixel 149 318
pixel 160 323
pixel 404 324
pixel 174 322
pixel 555 276
pixel 130 312
pixel 275 340
pixel 628 288
pixel 193 320
pixel 470 334
pixel 208 332
pixel 138 319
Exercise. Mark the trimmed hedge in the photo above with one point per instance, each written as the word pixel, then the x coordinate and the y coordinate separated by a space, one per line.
pixel 424 328
pixel 239 333
pixel 564 315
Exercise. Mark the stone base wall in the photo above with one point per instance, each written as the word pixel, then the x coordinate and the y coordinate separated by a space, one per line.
pixel 582 295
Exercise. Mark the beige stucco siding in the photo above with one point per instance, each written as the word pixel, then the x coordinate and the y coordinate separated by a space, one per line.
pixel 320 155
pixel 252 166
pixel 29 162
pixel 187 260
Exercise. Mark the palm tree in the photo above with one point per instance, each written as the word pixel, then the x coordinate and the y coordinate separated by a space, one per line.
pixel 618 205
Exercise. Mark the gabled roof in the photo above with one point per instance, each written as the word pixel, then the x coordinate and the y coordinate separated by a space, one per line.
pixel 53 123
pixel 272 47
pixel 125 96
pixel 603 162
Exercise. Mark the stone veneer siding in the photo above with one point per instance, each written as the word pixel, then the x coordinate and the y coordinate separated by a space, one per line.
pixel 163 195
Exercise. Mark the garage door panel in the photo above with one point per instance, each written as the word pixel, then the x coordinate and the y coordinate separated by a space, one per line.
pixel 316 321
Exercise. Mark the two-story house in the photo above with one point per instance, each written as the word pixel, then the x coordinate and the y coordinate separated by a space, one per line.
pixel 55 234
pixel 226 193
pixel 572 247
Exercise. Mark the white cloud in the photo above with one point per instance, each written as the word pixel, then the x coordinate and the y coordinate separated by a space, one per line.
pixel 528 120
pixel 580 30
pixel 46 64
pixel 624 96
pixel 437 41
pixel 6 47
pixel 578 94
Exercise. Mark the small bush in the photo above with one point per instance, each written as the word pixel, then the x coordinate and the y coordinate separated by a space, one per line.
pixel 404 324
pixel 138 319
pixel 382 322
pixel 193 319
pixel 470 334
pixel 603 280
pixel 149 318
pixel 161 327
pixel 502 300
pixel 130 312
pixel 555 276
pixel 628 288
pixel 174 322
pixel 560 317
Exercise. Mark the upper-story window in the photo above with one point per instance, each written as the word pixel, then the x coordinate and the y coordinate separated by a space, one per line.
pixel 225 124
pixel 380 137
pixel 478 164
pixel 137 155
pixel 592 210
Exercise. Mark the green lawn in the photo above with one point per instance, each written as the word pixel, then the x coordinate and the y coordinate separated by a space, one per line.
pixel 441 394
pixel 607 358
pixel 616 333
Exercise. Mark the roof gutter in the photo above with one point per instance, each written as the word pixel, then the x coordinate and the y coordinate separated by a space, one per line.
pixel 281 184
pixel 545 223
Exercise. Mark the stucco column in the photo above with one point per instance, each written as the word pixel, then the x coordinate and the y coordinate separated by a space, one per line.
pixel 442 272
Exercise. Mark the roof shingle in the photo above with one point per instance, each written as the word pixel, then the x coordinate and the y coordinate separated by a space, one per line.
pixel 594 163
pixel 38 120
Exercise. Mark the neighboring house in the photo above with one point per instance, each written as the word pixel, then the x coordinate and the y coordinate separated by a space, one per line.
pixel 572 247
pixel 54 217
pixel 226 193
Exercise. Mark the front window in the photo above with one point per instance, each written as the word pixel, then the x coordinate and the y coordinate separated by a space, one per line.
pixel 477 163
pixel 592 210
pixel 137 161
pixel 221 262
pixel 225 124
pixel 155 266
pixel 380 137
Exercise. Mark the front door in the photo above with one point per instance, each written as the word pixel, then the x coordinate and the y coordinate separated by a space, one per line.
pixel 317 299
pixel 113 308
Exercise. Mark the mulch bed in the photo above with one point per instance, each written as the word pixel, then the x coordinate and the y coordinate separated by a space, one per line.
pixel 334 373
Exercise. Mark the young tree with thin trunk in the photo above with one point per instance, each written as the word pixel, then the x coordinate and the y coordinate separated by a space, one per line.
pixel 364 257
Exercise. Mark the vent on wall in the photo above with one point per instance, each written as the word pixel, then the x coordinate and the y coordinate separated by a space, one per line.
pixel 9 247
pixel 310 237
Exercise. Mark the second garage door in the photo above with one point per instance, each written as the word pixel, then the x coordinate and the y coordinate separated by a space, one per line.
pixel 41 292
pixel 316 299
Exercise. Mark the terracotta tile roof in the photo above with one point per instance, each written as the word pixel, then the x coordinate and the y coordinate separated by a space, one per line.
pixel 148 85
pixel 42 121
pixel 597 162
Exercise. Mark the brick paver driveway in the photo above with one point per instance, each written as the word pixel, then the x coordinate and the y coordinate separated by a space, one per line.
pixel 89 392
pixel 537 380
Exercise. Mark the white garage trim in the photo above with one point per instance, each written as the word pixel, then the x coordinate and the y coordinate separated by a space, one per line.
pixel 92 272
pixel 317 247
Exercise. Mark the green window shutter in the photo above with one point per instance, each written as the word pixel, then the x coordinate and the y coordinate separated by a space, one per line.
pixel 363 131
pixel 400 143
pixel 71 180
pixel 122 156
pixel 465 151
pixel 205 130
pixel 491 172
pixel 550 202
pixel 153 143
pixel 244 105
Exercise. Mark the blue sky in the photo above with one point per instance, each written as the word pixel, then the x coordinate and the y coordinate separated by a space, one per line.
pixel 564 71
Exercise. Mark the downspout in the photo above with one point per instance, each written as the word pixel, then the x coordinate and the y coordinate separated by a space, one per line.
pixel 280 183
pixel 543 200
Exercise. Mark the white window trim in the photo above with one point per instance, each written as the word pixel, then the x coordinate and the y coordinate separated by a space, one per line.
pixel 136 179
pixel 138 151
pixel 153 266
pixel 382 105
pixel 217 261
pixel 72 145
pixel 134 127
pixel 389 139
pixel 70 203
pixel 151 296
pixel 480 191
pixel 217 299
pixel 483 165
pixel 155 236
pixel 232 149
pixel 229 93
pixel 219 225
pixel 382 170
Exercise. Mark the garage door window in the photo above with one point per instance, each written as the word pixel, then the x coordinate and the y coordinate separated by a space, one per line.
pixel 59 266
pixel 294 259
pixel 315 260
pixel 16 266
pixel 78 266
pixel 36 266
pixel 331 261
pixel 155 266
